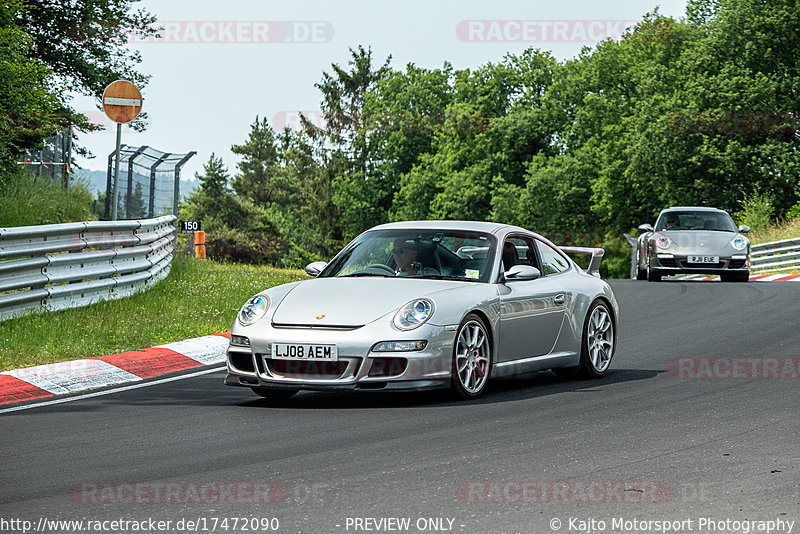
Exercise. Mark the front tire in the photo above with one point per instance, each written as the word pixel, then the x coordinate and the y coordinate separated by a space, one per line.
pixel 734 277
pixel 472 358
pixel 652 276
pixel 641 274
pixel 598 341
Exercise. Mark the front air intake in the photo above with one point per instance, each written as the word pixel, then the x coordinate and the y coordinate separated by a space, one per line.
pixel 241 362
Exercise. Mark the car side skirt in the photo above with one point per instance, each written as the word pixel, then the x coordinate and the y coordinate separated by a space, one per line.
pixel 536 363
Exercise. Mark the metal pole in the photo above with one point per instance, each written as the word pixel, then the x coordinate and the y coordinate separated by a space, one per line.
pixel 54 155
pixel 116 174
pixel 131 159
pixel 152 198
pixel 106 210
pixel 68 159
pixel 176 189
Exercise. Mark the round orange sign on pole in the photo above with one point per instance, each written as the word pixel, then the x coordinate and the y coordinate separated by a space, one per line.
pixel 122 101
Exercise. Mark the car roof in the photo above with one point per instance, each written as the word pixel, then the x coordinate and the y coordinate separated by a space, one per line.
pixel 693 208
pixel 473 226
pixel 500 231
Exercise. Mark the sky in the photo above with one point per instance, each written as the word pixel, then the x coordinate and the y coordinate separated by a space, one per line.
pixel 221 64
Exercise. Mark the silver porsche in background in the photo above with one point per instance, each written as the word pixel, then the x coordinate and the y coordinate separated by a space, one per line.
pixel 697 240
pixel 421 305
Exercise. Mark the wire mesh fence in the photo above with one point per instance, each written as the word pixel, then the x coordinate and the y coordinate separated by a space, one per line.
pixel 53 159
pixel 149 182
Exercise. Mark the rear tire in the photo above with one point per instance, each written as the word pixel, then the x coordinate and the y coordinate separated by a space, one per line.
pixel 598 341
pixel 472 358
pixel 274 394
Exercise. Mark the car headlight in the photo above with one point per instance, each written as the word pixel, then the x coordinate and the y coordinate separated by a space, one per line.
pixel 663 242
pixel 253 309
pixel 399 346
pixel 740 242
pixel 413 314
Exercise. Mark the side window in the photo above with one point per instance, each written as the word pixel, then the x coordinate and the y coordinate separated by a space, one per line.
pixel 552 261
pixel 518 250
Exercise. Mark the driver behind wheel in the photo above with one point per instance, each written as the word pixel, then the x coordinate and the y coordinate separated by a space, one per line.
pixel 672 221
pixel 405 256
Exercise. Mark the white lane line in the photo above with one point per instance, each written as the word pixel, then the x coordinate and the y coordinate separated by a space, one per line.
pixel 110 391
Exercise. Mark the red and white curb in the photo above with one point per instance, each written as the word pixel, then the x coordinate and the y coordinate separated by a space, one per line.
pixel 45 381
pixel 753 277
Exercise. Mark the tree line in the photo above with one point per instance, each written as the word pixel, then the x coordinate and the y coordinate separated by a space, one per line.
pixel 700 110
pixel 49 48
pixel 697 111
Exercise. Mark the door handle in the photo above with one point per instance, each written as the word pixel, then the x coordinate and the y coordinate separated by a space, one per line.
pixel 559 299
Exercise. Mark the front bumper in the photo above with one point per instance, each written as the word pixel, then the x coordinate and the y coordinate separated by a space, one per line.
pixel 389 386
pixel 357 367
pixel 667 264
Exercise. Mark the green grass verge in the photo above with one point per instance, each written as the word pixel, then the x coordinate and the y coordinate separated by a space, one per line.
pixel 783 230
pixel 196 299
pixel 788 229
pixel 26 200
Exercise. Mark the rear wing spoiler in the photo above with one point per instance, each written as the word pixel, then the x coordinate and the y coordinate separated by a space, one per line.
pixel 597 257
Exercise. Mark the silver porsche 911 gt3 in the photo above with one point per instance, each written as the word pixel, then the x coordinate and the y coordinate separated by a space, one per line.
pixel 421 305
pixel 695 240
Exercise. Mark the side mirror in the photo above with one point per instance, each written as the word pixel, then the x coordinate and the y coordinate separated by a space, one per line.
pixel 313 269
pixel 521 272
pixel 743 229
pixel 646 227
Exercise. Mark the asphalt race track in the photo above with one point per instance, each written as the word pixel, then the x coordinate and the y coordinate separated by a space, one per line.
pixel 699 441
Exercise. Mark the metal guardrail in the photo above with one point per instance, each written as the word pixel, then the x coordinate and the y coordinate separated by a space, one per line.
pixel 776 256
pixel 59 266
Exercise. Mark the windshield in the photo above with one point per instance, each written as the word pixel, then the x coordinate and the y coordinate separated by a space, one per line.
pixel 695 220
pixel 443 254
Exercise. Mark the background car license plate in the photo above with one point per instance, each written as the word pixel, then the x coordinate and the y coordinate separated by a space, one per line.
pixel 702 259
pixel 302 351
